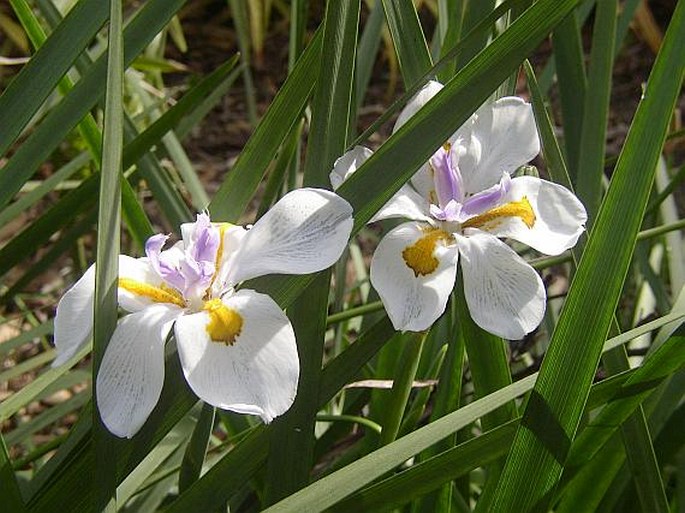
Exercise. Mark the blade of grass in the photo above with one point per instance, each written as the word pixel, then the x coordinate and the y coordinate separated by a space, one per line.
pixel 108 246
pixel 285 111
pixel 570 67
pixel 553 413
pixel 148 20
pixel 29 89
pixel 196 449
pixel 11 495
pixel 590 164
pixel 407 36
pixel 329 490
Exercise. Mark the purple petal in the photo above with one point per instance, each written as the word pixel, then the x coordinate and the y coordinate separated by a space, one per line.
pixel 487 199
pixel 204 241
pixel 164 266
pixel 447 178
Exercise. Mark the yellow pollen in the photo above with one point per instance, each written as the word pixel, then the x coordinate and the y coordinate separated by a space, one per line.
pixel 161 294
pixel 225 324
pixel 521 209
pixel 419 256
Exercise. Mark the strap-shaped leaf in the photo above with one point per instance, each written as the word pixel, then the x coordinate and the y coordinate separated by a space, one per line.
pixel 553 412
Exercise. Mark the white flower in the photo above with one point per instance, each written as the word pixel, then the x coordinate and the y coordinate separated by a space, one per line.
pixel 237 349
pixel 460 203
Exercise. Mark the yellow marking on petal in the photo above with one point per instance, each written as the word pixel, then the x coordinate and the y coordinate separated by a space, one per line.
pixel 419 256
pixel 225 324
pixel 219 252
pixel 521 209
pixel 161 294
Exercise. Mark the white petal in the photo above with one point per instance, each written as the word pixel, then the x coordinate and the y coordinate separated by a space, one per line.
pixel 406 203
pixel 131 375
pixel 74 318
pixel 305 232
pixel 139 270
pixel 232 239
pixel 258 373
pixel 559 216
pixel 503 137
pixel 418 100
pixel 413 302
pixel 504 294
pixel 348 164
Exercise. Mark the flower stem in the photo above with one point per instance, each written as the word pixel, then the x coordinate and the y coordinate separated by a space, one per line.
pixel 402 386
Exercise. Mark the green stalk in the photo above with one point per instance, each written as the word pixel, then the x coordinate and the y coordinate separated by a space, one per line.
pixel 108 244
pixel 402 385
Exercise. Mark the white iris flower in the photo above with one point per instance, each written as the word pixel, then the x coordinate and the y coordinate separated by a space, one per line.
pixel 237 348
pixel 460 203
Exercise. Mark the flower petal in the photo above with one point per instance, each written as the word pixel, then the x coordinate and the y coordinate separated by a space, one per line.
pixel 418 100
pixel 504 294
pixel 414 299
pixel 74 318
pixel 305 232
pixel 406 203
pixel 256 374
pixel 140 271
pixel 503 137
pixel 346 165
pixel 131 375
pixel 559 216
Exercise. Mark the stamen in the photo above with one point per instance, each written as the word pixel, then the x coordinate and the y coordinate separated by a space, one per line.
pixel 521 209
pixel 419 256
pixel 161 294
pixel 225 324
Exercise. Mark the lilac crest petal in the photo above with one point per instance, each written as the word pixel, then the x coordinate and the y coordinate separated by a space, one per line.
pixel 487 199
pixel 447 178
pixel 164 266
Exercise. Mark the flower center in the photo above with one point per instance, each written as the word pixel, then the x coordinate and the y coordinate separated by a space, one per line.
pixel 521 209
pixel 225 324
pixel 419 256
pixel 161 294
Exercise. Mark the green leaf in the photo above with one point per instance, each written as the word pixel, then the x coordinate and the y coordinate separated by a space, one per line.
pixel 407 36
pixel 329 490
pixel 196 449
pixel 590 164
pixel 108 246
pixel 235 192
pixel 570 67
pixel 29 89
pixel 553 412
pixel 11 496
pixel 146 23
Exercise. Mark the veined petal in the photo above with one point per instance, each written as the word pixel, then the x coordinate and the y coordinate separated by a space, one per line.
pixel 74 318
pixel 305 232
pixel 418 100
pixel 413 270
pixel 503 137
pixel 559 216
pixel 141 272
pixel 257 372
pixel 131 375
pixel 346 165
pixel 504 294
pixel 406 203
